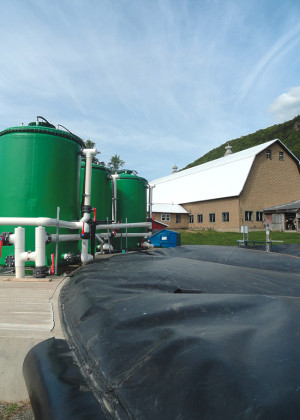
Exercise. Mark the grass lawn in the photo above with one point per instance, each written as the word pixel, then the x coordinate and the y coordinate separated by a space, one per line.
pixel 211 237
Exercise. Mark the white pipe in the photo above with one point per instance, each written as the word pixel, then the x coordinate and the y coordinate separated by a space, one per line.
pixel 47 221
pixel 89 154
pixel 150 201
pixel 11 238
pixel 85 218
pixel 29 256
pixel 99 239
pixel 40 246
pixel 114 195
pixel 85 256
pixel 124 225
pixel 147 245
pixel 66 238
pixel 19 241
pixel 39 221
pixel 130 235
pixel 56 240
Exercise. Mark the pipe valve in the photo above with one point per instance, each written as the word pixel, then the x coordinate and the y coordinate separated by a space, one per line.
pixel 84 235
pixel 5 238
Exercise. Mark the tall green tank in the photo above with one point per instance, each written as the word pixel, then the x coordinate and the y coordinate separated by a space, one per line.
pixel 40 172
pixel 101 191
pixel 131 207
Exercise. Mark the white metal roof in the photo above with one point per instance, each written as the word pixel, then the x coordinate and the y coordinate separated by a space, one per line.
pixel 167 208
pixel 220 178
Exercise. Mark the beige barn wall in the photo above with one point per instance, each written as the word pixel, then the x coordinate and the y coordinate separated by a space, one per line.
pixel 271 182
pixel 172 222
pixel 219 206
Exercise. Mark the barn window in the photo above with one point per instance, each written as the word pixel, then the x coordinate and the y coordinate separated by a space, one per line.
pixel 225 216
pixel 178 218
pixel 259 216
pixel 165 217
pixel 280 155
pixel 212 217
pixel 199 218
pixel 269 154
pixel 248 216
pixel 191 218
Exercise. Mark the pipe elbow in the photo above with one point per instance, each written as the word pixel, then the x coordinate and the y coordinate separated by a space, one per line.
pixel 86 258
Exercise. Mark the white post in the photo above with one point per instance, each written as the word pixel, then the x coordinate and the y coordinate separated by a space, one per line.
pixel 267 238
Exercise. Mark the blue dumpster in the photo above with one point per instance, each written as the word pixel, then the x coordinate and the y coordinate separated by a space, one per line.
pixel 166 239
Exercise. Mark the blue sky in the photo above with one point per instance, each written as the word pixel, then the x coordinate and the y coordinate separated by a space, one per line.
pixel 159 82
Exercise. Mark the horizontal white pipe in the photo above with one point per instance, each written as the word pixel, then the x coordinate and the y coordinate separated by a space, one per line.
pixel 28 256
pixel 47 221
pixel 66 238
pixel 39 221
pixel 124 225
pixel 90 152
pixel 129 235
pixel 12 238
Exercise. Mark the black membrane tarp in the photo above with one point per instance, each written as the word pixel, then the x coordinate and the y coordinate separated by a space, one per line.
pixel 196 332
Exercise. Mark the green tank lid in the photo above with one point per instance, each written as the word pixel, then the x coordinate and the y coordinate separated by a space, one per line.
pixel 43 127
pixel 130 174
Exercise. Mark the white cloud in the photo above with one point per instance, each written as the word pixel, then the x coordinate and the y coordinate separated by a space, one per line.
pixel 287 105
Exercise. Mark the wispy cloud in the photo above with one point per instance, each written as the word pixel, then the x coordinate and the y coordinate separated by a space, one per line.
pixel 158 82
pixel 287 105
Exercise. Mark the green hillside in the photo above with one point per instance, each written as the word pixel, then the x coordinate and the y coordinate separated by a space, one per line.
pixel 288 133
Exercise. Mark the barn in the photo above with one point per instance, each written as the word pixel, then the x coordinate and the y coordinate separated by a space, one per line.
pixel 231 191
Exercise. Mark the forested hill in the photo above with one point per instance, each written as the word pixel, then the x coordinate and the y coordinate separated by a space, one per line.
pixel 288 133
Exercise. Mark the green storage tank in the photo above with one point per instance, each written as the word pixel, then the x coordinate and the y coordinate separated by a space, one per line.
pixel 41 171
pixel 131 207
pixel 101 191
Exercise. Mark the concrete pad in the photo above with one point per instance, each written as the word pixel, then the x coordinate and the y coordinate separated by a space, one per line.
pixel 28 315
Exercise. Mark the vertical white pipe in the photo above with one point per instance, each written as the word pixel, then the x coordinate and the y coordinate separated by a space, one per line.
pixel 114 196
pixel 19 249
pixel 40 246
pixel 150 201
pixel 89 154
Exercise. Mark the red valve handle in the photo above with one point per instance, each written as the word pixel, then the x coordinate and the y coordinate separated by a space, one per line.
pixel 52 264
pixel 82 232
pixel 95 210
pixel 1 244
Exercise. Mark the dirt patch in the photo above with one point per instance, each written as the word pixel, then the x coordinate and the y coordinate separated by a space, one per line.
pixel 16 410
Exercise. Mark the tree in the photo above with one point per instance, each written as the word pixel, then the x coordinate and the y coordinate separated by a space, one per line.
pixel 89 144
pixel 115 163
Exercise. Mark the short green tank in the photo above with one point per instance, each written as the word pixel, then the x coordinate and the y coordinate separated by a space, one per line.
pixel 131 206
pixel 40 172
pixel 101 191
